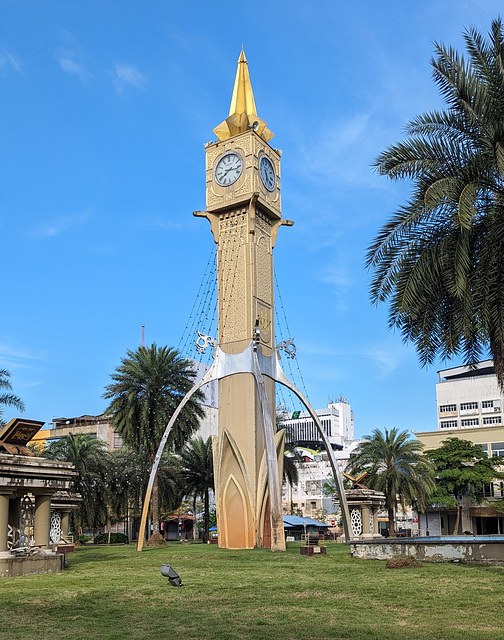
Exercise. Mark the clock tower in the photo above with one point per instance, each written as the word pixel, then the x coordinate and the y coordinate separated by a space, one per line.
pixel 243 206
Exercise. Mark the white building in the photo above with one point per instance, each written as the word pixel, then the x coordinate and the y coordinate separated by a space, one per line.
pixel 470 407
pixel 468 398
pixel 314 470
pixel 337 421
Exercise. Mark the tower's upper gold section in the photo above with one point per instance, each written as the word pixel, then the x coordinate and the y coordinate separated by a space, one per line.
pixel 242 113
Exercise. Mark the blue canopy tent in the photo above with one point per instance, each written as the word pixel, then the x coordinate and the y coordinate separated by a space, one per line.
pixel 297 526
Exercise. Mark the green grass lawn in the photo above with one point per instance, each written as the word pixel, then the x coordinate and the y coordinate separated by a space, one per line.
pixel 116 593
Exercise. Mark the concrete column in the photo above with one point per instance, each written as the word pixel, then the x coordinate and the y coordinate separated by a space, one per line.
pixel 42 520
pixel 65 523
pixel 4 520
pixel 365 521
pixel 375 522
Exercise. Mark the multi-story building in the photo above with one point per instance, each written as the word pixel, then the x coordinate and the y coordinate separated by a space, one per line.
pixel 469 397
pixel 337 421
pixel 470 406
pixel 307 496
pixel 98 426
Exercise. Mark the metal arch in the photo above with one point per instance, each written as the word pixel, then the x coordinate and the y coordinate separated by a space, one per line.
pixel 282 379
pixel 275 494
pixel 208 377
pixel 252 361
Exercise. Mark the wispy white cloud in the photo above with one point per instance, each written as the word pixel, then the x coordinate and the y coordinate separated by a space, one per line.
pixel 14 356
pixel 73 58
pixel 9 62
pixel 127 75
pixel 339 276
pixel 386 359
pixel 71 66
pixel 61 225
pixel 341 150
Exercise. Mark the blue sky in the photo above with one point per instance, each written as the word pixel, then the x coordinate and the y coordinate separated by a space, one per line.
pixel 104 111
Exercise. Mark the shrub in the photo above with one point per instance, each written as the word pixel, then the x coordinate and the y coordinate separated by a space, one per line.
pixel 115 538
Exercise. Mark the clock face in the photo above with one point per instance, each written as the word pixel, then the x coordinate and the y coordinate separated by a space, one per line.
pixel 267 171
pixel 228 169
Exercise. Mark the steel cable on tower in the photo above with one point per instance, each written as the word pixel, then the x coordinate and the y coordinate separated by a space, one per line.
pixel 290 336
pixel 189 330
pixel 204 326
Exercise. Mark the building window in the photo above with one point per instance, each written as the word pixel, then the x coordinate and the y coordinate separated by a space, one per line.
pixel 447 408
pixel 489 404
pixel 448 424
pixel 497 448
pixel 484 448
pixel 493 420
pixel 470 422
pixel 488 490
pixel 118 441
pixel 468 406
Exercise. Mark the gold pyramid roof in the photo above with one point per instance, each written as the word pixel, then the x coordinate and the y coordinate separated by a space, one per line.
pixel 242 112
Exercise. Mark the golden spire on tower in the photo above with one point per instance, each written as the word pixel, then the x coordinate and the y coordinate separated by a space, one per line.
pixel 242 112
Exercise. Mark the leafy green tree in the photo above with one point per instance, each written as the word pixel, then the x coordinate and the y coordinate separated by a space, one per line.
pixel 89 456
pixel 397 467
pixel 462 469
pixel 196 460
pixel 8 399
pixel 126 474
pixel 439 261
pixel 147 387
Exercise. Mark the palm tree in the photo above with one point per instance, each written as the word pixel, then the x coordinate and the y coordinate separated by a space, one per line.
pixel 89 456
pixel 397 467
pixel 290 473
pixel 83 450
pixel 147 387
pixel 198 475
pixel 8 399
pixel 439 261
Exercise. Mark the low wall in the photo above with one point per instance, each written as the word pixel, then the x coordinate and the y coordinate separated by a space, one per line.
pixel 11 566
pixel 465 549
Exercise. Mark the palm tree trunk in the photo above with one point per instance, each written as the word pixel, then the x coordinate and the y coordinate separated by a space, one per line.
pixel 391 521
pixel 195 528
pixel 206 533
pixel 391 504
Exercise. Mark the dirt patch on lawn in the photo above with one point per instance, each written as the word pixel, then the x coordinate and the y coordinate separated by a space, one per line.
pixel 403 562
